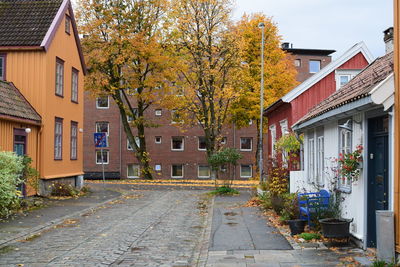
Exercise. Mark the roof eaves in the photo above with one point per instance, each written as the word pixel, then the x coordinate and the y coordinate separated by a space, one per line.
pixel 357 48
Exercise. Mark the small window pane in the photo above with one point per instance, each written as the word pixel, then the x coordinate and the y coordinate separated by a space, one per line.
pixel 67 24
pixel 315 66
pixel 133 171
pixel 100 155
pixel 223 141
pixel 344 79
pixel 158 139
pixel 202 143
pixel 177 171
pixel 204 172
pixel 177 143
pixel 74 86
pixel 102 102
pixel 102 127
pixel 245 171
pixel 297 62
pixel 158 112
pixel 245 143
pixel 59 77
pixel 1 68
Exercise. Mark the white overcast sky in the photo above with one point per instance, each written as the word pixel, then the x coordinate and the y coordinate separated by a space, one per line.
pixel 326 24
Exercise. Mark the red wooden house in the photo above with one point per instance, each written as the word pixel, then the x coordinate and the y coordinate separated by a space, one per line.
pixel 295 104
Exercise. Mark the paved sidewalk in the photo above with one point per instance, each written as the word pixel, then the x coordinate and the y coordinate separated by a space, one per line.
pixel 241 237
pixel 55 211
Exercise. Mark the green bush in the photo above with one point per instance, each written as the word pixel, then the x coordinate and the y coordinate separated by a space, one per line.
pixel 265 200
pixel 224 190
pixel 60 189
pixel 11 168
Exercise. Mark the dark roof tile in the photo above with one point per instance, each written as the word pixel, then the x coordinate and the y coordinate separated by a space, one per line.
pixel 14 104
pixel 26 22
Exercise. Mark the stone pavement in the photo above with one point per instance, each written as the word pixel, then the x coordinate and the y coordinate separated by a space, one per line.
pixel 54 212
pixel 141 228
pixel 241 237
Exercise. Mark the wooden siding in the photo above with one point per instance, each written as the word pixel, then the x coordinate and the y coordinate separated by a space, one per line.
pixel 33 73
pixel 314 95
pixel 7 141
pixel 397 122
pixel 357 62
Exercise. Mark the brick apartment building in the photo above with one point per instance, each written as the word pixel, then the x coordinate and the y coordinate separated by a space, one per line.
pixel 174 154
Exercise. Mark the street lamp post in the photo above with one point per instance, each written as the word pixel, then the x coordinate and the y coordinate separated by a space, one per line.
pixel 260 145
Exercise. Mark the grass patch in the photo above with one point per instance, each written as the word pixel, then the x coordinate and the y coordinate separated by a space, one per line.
pixel 224 190
pixel 310 236
pixel 6 249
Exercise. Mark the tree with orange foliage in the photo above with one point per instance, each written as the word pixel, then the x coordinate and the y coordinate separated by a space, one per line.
pixel 128 59
pixel 279 71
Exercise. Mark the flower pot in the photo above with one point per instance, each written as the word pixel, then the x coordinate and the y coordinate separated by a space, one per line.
pixel 335 228
pixel 296 226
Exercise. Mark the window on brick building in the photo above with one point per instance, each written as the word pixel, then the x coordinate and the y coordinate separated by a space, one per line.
pixel 158 112
pixel 102 127
pixel 315 66
pixel 102 102
pixel 133 171
pixel 157 167
pixel 246 143
pixel 177 171
pixel 245 171
pixel 102 154
pixel 157 139
pixel 202 143
pixel 177 143
pixel 203 171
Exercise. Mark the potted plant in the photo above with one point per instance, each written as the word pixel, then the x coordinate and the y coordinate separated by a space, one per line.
pixel 290 214
pixel 350 164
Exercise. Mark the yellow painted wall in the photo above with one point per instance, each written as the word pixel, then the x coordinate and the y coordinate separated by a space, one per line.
pixel 7 141
pixel 33 73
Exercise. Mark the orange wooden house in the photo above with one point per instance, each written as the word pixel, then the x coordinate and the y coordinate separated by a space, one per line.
pixel 40 54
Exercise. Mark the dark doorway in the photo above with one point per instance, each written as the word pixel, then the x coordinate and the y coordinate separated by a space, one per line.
pixel 20 147
pixel 378 165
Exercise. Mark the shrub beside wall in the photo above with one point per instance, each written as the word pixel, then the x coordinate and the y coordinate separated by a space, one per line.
pixel 11 168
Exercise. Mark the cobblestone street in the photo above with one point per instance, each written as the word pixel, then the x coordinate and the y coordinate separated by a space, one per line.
pixel 142 228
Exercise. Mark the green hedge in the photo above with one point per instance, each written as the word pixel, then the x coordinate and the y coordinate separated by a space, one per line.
pixel 11 168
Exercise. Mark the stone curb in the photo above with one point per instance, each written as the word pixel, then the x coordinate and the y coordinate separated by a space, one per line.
pixel 202 257
pixel 48 225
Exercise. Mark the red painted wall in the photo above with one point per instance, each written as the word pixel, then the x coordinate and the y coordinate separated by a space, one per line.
pixel 356 62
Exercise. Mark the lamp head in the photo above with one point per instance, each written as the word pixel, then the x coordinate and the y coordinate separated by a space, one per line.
pixel 261 25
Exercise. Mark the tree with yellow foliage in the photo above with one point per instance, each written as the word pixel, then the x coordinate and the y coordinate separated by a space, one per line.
pixel 128 59
pixel 279 71
pixel 208 52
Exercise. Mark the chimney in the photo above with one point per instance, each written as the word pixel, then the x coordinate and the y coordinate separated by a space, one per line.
pixel 388 38
pixel 285 45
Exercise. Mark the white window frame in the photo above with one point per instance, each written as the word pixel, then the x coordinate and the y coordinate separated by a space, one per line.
pixel 183 143
pixel 251 144
pixel 183 170
pixel 284 131
pixel 158 112
pixel 108 127
pixel 311 159
pixel 198 143
pixel 345 146
pixel 155 139
pixel 309 65
pixel 297 62
pixel 97 102
pixel 251 171
pixel 74 85
pixel 223 140
pixel 320 153
pixel 128 144
pixel 198 171
pixel 272 130
pixel 127 171
pixel 104 151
